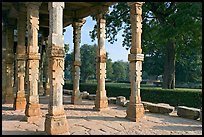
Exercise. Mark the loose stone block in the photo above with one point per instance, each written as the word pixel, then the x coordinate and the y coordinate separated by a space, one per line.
pixel 188 112
pixel 120 100
pixel 68 92
pixel 92 97
pixel 201 114
pixel 112 100
pixel 85 95
pixel 125 103
pixel 160 108
pixel 146 104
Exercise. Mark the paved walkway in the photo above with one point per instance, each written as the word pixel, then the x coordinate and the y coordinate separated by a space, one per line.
pixel 82 120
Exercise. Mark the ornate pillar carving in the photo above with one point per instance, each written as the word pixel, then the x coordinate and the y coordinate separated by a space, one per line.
pixel 56 122
pixel 135 109
pixel 33 111
pixel 9 59
pixel 76 98
pixel 101 101
pixel 20 100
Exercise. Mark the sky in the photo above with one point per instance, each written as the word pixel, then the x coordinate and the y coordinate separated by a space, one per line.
pixel 116 51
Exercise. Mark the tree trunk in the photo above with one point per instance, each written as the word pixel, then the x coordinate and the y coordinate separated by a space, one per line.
pixel 169 66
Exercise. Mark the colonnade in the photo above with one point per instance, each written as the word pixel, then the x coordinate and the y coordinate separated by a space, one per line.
pixel 55 121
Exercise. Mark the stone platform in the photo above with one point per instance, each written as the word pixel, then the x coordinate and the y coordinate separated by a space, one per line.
pixel 83 120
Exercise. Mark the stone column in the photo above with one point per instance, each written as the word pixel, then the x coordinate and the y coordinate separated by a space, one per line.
pixel 33 111
pixel 40 83
pixel 20 100
pixel 76 98
pixel 101 101
pixel 45 71
pixel 56 122
pixel 3 62
pixel 135 109
pixel 9 58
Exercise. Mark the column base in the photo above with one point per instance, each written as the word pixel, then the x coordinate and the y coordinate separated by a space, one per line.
pixel 41 90
pixel 101 104
pixel 55 125
pixel 19 103
pixel 135 112
pixel 47 90
pixel 33 110
pixel 9 98
pixel 76 100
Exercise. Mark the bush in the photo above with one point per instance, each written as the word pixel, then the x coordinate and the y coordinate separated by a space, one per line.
pixel 174 97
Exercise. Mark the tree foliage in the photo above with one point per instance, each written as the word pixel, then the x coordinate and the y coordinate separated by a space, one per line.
pixel 163 23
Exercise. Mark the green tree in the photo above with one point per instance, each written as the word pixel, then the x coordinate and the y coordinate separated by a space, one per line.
pixel 119 71
pixel 88 61
pixel 109 68
pixel 169 29
pixel 66 61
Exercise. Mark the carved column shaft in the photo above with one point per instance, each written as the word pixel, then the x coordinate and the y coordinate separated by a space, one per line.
pixel 9 95
pixel 56 122
pixel 101 101
pixel 40 83
pixel 76 98
pixel 3 62
pixel 45 70
pixel 20 100
pixel 135 109
pixel 33 108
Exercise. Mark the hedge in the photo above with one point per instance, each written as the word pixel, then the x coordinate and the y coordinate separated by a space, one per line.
pixel 173 97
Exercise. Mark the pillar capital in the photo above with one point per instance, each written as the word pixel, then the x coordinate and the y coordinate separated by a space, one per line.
pixel 135 3
pixel 55 4
pixel 78 23
pixel 33 4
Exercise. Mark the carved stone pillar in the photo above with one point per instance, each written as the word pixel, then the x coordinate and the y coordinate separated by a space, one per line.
pixel 9 58
pixel 45 70
pixel 3 62
pixel 56 122
pixel 135 109
pixel 101 101
pixel 76 98
pixel 40 83
pixel 33 107
pixel 20 100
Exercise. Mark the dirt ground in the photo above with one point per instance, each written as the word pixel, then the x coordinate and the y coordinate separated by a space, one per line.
pixel 83 120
